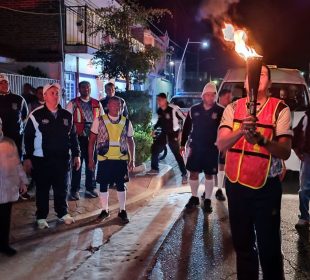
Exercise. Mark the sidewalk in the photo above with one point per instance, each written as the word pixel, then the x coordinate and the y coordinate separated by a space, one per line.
pixel 140 187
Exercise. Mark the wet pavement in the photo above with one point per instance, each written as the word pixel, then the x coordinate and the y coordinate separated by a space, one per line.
pixel 160 242
pixel 199 246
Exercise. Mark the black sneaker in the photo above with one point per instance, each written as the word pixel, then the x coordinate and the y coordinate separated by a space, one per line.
pixel 74 196
pixel 192 203
pixel 207 208
pixel 123 216
pixel 219 195
pixel 91 194
pixel 103 215
pixel 7 250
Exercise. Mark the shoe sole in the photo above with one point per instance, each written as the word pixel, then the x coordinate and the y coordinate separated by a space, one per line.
pixel 98 219
pixel 123 221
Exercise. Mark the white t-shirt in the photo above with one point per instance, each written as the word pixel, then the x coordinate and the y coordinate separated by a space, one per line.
pixel 95 126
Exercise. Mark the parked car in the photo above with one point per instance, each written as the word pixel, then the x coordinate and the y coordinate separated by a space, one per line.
pixel 287 84
pixel 185 100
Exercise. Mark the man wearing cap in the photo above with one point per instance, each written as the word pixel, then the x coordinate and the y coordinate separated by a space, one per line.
pixel 84 109
pixel 13 112
pixel 49 137
pixel 169 117
pixel 201 125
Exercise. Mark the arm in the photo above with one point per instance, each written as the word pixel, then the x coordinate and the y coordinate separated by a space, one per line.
pixel 226 138
pixel 24 110
pixel 91 146
pixel 132 150
pixel 28 147
pixel 75 148
pixel 186 130
pixel 101 111
pixel 125 109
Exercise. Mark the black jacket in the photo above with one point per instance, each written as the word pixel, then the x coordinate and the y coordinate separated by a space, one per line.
pixel 13 112
pixel 50 136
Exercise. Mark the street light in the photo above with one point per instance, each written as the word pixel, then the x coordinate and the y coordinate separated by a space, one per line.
pixel 204 44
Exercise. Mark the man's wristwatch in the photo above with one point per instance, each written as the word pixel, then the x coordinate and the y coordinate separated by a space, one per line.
pixel 262 141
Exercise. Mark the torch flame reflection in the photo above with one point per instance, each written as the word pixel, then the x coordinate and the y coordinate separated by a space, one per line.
pixel 239 37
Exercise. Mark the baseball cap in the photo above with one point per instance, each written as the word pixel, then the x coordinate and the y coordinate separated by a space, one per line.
pixel 209 87
pixel 3 77
pixel 48 86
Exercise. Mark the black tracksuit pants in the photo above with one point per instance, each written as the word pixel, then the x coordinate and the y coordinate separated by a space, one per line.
pixel 51 173
pixel 5 219
pixel 90 182
pixel 255 227
pixel 159 144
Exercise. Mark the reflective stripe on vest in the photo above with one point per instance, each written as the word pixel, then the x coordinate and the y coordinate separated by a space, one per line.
pixel 249 164
pixel 78 114
pixel 115 132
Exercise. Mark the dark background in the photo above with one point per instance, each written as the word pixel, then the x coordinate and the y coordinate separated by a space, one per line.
pixel 280 31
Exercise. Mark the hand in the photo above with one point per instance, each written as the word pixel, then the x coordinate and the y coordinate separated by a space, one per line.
pixel 77 163
pixel 300 155
pixel 249 124
pixel 153 133
pixel 22 188
pixel 91 164
pixel 182 150
pixel 27 165
pixel 131 165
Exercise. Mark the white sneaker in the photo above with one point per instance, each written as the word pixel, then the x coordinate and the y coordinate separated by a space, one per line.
pixel 42 224
pixel 67 219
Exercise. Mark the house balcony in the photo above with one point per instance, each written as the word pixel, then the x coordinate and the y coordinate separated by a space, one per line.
pixel 81 22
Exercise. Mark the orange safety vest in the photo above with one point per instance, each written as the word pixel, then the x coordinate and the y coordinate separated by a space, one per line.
pixel 249 164
pixel 78 114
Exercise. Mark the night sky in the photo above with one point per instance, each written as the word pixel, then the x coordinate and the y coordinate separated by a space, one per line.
pixel 279 30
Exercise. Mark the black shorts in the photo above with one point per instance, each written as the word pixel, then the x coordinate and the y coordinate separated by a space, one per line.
pixel 203 161
pixel 222 158
pixel 112 172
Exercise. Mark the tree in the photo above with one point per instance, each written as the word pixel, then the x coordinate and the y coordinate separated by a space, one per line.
pixel 120 57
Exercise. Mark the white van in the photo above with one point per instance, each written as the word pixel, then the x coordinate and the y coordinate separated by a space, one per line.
pixel 185 100
pixel 288 84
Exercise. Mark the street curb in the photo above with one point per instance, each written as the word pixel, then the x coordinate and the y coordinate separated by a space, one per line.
pixel 156 183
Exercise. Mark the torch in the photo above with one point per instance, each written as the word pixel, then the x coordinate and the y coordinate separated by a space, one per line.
pixel 253 67
pixel 253 62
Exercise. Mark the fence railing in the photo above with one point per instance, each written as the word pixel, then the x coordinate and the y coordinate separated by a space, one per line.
pixel 17 82
pixel 81 22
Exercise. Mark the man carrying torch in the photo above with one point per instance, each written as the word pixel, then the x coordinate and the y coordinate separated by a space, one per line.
pixel 255 132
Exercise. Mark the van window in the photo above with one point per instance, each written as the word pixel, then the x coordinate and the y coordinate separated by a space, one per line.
pixel 185 102
pixel 294 95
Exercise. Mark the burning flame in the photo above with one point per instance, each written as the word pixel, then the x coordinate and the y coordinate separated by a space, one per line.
pixel 239 37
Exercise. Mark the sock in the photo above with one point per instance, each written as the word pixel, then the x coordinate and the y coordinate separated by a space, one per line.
pixel 121 200
pixel 194 187
pixel 208 188
pixel 104 199
pixel 220 179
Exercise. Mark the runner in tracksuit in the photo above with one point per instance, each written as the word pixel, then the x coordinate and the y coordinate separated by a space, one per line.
pixel 169 117
pixel 49 137
pixel 200 128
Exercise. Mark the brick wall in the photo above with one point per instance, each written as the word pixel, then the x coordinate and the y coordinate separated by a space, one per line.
pixel 30 37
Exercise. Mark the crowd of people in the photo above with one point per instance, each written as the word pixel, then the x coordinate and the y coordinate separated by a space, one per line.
pixel 38 136
pixel 245 154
